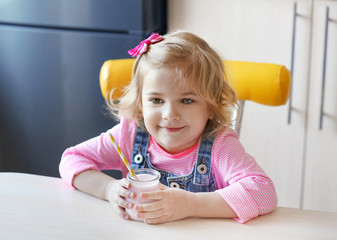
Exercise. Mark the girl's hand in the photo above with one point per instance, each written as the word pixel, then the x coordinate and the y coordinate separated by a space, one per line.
pixel 171 204
pixel 116 192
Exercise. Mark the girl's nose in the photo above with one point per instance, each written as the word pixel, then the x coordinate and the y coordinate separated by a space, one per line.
pixel 171 113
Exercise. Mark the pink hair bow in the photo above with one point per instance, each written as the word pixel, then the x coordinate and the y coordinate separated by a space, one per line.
pixel 142 47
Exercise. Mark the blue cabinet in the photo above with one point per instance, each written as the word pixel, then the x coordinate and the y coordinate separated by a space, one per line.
pixel 50 57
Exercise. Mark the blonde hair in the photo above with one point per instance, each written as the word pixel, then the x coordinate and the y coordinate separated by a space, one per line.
pixel 197 67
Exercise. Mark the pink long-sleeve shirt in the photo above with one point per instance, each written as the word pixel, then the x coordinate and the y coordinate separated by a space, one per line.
pixel 239 179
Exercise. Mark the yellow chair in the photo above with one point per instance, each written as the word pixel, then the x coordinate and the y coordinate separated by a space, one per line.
pixel 264 83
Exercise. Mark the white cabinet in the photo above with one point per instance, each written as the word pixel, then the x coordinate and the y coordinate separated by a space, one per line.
pixel 261 31
pixel 300 158
pixel 320 189
pixel 277 145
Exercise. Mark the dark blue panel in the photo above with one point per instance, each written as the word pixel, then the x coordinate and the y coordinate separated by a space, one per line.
pixel 51 52
pixel 49 93
pixel 128 16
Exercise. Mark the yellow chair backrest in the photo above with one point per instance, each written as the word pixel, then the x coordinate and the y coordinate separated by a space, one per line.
pixel 263 83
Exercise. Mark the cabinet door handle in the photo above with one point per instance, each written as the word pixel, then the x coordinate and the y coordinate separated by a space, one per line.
pixel 292 62
pixel 324 68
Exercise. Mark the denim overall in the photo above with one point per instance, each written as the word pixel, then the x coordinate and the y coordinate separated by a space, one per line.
pixel 199 180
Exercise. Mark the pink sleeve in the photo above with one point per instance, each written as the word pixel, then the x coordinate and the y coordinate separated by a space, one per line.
pixel 97 153
pixel 241 181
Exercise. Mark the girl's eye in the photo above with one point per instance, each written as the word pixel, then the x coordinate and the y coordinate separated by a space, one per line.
pixel 156 100
pixel 187 101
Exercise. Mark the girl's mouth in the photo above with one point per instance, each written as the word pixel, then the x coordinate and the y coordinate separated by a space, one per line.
pixel 172 129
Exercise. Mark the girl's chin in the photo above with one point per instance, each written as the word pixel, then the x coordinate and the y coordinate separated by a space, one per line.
pixel 170 147
pixel 174 147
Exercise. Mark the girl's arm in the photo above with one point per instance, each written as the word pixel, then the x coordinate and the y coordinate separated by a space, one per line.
pixel 211 204
pixel 99 153
pixel 80 166
pixel 102 186
pixel 94 183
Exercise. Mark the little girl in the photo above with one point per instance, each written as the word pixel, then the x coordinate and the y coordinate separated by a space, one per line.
pixel 175 117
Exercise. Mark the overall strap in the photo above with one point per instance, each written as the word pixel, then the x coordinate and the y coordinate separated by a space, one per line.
pixel 203 165
pixel 140 148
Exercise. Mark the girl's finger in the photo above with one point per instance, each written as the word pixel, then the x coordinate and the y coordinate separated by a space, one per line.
pixel 120 212
pixel 152 214
pixel 125 183
pixel 146 207
pixel 155 195
pixel 121 202
pixel 157 220
pixel 125 193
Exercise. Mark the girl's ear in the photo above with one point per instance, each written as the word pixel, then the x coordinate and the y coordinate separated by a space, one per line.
pixel 139 116
pixel 140 112
pixel 211 113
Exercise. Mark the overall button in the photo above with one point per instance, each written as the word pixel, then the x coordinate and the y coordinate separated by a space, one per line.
pixel 202 169
pixel 174 185
pixel 139 158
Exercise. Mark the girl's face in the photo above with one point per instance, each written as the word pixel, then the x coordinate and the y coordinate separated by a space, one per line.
pixel 174 116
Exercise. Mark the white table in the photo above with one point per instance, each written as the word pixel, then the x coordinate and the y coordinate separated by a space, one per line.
pixel 38 207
